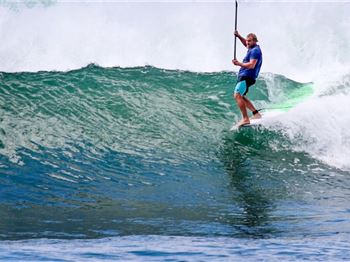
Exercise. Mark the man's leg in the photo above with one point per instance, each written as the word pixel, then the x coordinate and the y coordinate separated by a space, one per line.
pixel 251 107
pixel 242 106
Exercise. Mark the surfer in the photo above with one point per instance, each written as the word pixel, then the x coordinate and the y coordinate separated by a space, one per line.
pixel 247 75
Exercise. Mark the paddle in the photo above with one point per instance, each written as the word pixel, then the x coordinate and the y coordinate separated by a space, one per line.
pixel 235 29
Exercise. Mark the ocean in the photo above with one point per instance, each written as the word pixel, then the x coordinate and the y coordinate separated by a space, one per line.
pixel 115 139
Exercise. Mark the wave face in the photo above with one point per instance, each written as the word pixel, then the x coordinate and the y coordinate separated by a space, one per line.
pixel 117 151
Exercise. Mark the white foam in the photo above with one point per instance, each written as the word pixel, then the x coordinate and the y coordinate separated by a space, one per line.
pixel 320 127
pixel 304 41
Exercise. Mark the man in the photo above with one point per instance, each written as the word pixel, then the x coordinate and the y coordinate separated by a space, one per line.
pixel 249 71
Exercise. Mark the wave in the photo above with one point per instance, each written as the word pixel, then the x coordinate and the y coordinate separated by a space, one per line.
pixel 166 112
pixel 126 147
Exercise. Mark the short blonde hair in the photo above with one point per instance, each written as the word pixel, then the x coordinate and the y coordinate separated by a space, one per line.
pixel 253 36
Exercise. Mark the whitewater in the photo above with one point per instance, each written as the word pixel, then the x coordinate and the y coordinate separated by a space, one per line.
pixel 114 132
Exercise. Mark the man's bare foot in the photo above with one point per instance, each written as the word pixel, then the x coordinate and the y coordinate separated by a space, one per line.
pixel 256 116
pixel 243 122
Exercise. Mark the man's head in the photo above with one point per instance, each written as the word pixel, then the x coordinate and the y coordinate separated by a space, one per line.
pixel 251 40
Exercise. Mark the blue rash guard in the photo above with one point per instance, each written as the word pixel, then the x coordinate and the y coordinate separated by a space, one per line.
pixel 247 77
pixel 253 53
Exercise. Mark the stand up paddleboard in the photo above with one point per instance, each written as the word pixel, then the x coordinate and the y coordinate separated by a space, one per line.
pixel 265 117
pixel 276 111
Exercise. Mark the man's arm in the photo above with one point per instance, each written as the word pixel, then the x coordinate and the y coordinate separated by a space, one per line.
pixel 241 38
pixel 249 65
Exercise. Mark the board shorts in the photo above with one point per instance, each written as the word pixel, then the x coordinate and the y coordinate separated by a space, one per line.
pixel 243 84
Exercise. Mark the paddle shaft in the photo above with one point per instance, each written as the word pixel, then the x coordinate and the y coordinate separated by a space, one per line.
pixel 235 42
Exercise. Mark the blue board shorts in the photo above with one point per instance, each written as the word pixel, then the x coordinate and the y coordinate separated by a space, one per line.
pixel 243 85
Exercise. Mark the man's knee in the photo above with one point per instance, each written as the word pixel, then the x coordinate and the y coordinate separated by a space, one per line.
pixel 237 96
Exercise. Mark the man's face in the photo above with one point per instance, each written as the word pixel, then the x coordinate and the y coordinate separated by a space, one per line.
pixel 250 42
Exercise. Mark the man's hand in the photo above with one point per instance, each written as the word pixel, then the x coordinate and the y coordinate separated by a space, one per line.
pixel 249 65
pixel 236 62
pixel 241 38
